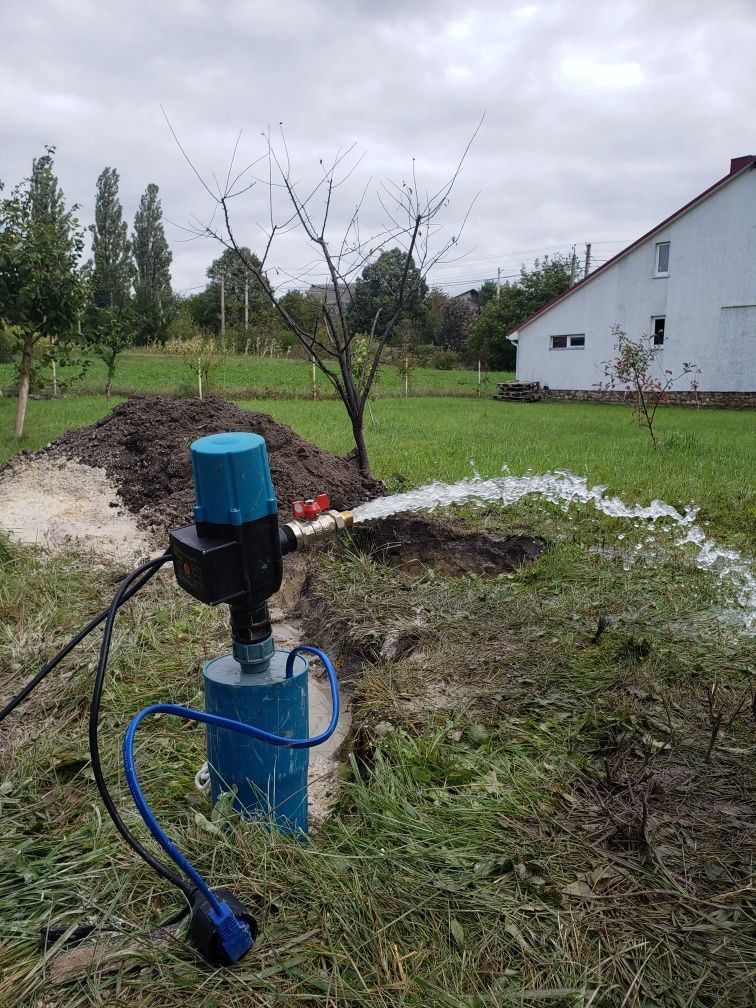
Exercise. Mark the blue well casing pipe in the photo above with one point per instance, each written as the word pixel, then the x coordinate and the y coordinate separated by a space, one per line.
pixel 268 781
pixel 235 556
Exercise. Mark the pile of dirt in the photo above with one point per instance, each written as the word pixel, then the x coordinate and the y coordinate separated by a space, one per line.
pixel 143 446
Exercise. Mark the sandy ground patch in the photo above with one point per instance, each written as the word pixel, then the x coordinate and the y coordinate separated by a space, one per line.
pixel 60 504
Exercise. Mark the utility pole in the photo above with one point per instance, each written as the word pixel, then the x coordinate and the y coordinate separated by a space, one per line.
pixel 498 282
pixel 246 307
pixel 587 259
pixel 573 270
pixel 223 309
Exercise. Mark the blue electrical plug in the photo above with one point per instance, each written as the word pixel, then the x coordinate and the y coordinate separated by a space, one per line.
pixel 234 935
pixel 225 934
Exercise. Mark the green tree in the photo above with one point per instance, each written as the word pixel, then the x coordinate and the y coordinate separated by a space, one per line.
pixel 41 288
pixel 487 339
pixel 304 309
pixel 110 318
pixel 456 319
pixel 435 302
pixel 153 300
pixel 486 293
pixel 517 301
pixel 228 271
pixel 376 291
pixel 112 262
pixel 548 278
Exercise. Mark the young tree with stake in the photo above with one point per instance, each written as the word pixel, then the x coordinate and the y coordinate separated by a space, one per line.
pixel 637 371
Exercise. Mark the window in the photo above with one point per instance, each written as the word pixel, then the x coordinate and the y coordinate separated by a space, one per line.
pixel 658 330
pixel 565 342
pixel 662 258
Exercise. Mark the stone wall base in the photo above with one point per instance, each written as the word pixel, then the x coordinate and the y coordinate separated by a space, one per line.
pixel 726 400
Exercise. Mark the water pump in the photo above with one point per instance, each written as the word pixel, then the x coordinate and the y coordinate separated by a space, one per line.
pixel 233 553
pixel 256 698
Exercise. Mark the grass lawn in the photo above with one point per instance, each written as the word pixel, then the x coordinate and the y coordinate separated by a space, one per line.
pixel 546 801
pixel 706 458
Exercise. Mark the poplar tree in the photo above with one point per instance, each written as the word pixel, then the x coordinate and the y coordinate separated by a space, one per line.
pixel 113 266
pixel 110 315
pixel 41 288
pixel 152 257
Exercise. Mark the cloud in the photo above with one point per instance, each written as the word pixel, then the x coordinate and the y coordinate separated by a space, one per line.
pixel 589 73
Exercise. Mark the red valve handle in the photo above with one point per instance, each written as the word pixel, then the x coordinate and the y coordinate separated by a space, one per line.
pixel 311 508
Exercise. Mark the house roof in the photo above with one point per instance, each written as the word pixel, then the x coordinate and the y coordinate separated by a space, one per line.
pixel 738 166
pixel 327 293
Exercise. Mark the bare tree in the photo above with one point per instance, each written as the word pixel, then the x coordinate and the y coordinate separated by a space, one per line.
pixel 408 222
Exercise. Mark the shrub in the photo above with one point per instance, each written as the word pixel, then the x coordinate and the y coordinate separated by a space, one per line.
pixel 444 360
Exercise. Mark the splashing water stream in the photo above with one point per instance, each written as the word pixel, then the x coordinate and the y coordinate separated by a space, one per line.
pixel 565 488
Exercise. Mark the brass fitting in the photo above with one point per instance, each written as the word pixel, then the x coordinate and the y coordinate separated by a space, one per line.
pixel 327 523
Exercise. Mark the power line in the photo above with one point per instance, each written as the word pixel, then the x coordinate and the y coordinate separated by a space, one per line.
pixel 469 281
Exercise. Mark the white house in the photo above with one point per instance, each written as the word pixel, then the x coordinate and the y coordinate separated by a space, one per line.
pixel 690 284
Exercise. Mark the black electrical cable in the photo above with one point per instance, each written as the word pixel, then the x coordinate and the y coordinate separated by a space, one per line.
pixel 49 935
pixel 64 652
pixel 118 599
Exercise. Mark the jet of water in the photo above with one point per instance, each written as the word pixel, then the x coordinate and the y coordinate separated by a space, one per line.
pixel 565 488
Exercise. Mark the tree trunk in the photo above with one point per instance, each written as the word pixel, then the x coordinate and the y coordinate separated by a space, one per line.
pixel 359 441
pixel 23 387
pixel 54 368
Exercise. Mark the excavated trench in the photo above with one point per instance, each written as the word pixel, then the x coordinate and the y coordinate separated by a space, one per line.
pixel 414 544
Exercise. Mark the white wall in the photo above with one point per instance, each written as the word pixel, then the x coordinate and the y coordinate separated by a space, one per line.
pixel 709 300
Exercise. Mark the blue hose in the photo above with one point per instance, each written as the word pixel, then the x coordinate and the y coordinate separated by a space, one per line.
pixel 214 719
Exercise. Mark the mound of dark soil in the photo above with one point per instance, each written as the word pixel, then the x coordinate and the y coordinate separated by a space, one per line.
pixel 144 447
pixel 414 543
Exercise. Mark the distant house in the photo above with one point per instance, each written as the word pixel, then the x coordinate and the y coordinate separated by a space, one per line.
pixel 689 283
pixel 471 298
pixel 326 294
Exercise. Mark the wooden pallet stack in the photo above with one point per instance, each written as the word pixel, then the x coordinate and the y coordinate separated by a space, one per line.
pixel 518 391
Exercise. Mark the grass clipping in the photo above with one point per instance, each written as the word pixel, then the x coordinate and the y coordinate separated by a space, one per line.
pixel 547 800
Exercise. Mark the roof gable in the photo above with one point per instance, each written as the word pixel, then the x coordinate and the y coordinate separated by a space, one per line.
pixel 738 166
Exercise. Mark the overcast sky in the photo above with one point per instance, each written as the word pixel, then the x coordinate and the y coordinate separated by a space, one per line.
pixel 601 118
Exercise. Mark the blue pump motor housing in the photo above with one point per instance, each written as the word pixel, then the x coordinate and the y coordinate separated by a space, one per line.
pixel 269 782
